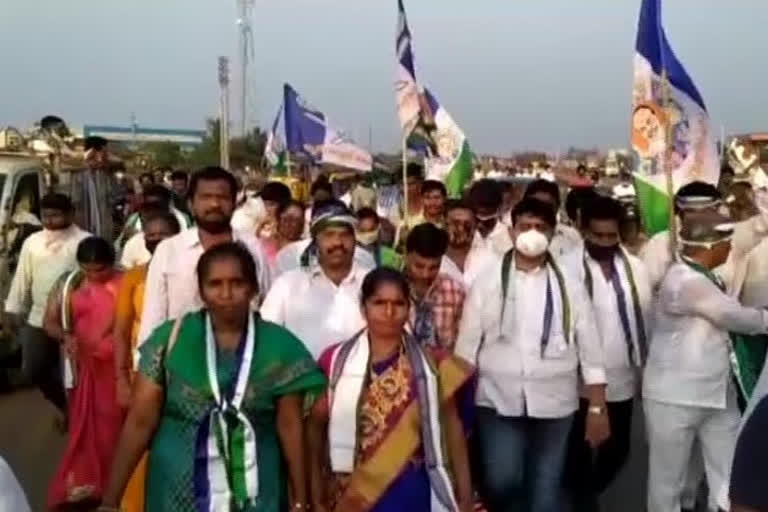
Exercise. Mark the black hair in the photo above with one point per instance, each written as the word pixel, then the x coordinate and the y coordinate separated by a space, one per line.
pixel 535 208
pixel 545 186
pixel 58 202
pixel 367 213
pixel 166 216
pixel 699 189
pixel 276 192
pixel 213 173
pixel 413 170
pixel 430 185
pixel 321 183
pixel 330 203
pixel 601 208
pixel 297 204
pixel 158 191
pixel 147 175
pixel 485 193
pixel 458 204
pixel 179 175
pixel 229 250
pixel 95 250
pixel 576 199
pixel 383 275
pixel 427 240
pixel 95 142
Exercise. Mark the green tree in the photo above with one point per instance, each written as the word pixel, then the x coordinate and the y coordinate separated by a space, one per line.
pixel 248 150
pixel 164 154
pixel 207 153
pixel 243 151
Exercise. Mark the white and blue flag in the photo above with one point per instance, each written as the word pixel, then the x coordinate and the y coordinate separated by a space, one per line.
pixel 274 150
pixel 407 90
pixel 307 131
pixel 690 152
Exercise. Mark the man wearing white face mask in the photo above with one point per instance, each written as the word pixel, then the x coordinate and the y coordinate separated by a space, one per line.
pixel 529 328
pixel 368 237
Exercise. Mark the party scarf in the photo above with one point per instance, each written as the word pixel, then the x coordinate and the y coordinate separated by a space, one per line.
pixel 642 340
pixel 71 282
pixel 746 353
pixel 349 371
pixel 226 473
pixel 507 276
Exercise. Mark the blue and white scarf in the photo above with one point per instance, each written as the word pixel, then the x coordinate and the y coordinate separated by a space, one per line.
pixel 226 473
pixel 349 369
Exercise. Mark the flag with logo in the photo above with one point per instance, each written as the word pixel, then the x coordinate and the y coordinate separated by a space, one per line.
pixel 427 126
pixel 274 151
pixel 308 131
pixel 449 158
pixel 664 98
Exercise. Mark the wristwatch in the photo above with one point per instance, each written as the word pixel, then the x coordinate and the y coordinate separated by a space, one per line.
pixel 596 410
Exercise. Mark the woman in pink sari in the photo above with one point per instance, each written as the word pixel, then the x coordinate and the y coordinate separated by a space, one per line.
pixel 81 313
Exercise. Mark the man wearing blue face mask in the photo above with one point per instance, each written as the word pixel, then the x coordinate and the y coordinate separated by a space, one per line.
pixel 530 329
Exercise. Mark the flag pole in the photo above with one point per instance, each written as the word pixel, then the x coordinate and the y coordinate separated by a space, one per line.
pixel 665 101
pixel 405 188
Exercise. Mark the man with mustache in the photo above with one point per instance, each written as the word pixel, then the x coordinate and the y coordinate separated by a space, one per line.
pixel 319 301
pixel 171 288
pixel 463 261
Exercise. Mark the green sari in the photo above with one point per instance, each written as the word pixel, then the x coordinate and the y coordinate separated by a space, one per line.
pixel 281 365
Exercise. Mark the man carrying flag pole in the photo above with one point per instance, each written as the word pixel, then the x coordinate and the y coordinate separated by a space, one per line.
pixel 695 374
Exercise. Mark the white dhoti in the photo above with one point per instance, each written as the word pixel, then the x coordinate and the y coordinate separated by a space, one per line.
pixel 672 430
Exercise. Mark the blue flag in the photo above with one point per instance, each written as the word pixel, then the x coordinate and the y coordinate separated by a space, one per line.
pixel 665 98
pixel 307 131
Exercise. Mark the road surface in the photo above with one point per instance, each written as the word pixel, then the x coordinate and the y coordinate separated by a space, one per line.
pixel 32 447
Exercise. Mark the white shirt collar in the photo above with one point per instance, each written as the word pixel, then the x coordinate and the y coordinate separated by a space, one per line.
pixel 351 278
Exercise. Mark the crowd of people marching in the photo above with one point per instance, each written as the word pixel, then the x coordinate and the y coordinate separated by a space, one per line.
pixel 448 355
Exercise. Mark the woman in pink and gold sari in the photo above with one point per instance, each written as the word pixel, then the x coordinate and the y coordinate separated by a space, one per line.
pixel 387 436
pixel 81 314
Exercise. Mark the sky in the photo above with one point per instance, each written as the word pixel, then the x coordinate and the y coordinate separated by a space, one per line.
pixel 515 75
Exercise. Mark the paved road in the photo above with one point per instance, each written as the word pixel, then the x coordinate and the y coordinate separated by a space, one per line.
pixel 32 447
pixel 29 442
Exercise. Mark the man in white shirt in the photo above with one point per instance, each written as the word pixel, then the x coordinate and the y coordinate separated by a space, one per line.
pixel 566 239
pixel 155 197
pixel 617 284
pixel 691 201
pixel 462 261
pixel 171 286
pixel 688 387
pixel 485 196
pixel 289 257
pixel 259 215
pixel 319 302
pixel 529 328
pixel 697 198
pixel 45 257
pixel 12 497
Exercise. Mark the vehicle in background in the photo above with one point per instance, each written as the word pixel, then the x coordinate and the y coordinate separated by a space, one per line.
pixel 22 184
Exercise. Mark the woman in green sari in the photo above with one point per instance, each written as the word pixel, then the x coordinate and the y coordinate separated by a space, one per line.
pixel 219 396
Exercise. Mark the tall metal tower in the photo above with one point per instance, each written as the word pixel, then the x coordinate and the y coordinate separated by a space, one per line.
pixel 224 112
pixel 244 10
